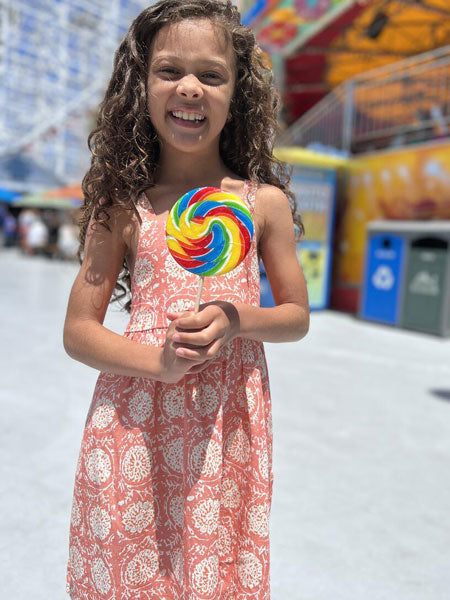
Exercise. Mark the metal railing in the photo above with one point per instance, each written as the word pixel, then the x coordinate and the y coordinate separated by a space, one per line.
pixel 404 102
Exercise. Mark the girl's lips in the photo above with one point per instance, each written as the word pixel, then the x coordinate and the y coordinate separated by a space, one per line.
pixel 187 124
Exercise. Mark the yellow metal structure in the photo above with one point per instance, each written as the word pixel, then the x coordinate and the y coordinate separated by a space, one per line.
pixel 407 27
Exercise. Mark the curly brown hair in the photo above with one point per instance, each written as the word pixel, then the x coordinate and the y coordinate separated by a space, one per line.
pixel 124 145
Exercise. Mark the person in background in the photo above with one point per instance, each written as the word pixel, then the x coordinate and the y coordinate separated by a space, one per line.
pixel 25 219
pixel 9 230
pixel 3 213
pixel 68 238
pixel 51 220
pixel 37 235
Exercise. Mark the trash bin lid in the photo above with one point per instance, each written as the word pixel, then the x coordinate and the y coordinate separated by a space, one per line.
pixel 426 227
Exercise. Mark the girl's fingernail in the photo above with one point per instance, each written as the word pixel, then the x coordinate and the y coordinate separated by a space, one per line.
pixel 179 352
pixel 176 337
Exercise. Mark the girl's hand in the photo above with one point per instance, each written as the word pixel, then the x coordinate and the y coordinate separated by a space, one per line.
pixel 199 337
pixel 173 366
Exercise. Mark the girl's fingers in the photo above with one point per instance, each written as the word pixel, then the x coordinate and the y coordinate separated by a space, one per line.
pixel 215 347
pixel 200 353
pixel 190 354
pixel 172 316
pixel 198 320
pixel 199 338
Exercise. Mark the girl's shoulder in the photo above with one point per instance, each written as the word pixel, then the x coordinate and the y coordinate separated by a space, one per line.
pixel 270 200
pixel 272 209
pixel 121 221
pixel 264 192
pixel 268 193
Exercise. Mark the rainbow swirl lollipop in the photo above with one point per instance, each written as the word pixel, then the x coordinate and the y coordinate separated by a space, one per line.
pixel 209 231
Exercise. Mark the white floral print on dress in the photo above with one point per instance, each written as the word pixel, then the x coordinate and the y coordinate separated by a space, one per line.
pixel 173 402
pixel 143 269
pixel 263 463
pixel 238 446
pixel 223 541
pixel 100 576
pixel 206 516
pixel 142 568
pixel 103 414
pixel 173 454
pixel 137 463
pixel 205 576
pixel 258 519
pixel 141 407
pixel 177 564
pixel 76 562
pixel 100 522
pixel 98 466
pixel 138 517
pixel 176 507
pixel 205 399
pixel 206 458
pixel 231 496
pixel 76 514
pixel 249 569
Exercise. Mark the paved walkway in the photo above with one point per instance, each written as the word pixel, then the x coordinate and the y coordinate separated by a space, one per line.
pixel 361 450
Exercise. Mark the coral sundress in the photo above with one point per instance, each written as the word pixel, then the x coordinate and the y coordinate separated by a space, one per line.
pixel 173 484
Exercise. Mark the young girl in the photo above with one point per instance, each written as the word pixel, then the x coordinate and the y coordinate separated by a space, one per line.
pixel 174 480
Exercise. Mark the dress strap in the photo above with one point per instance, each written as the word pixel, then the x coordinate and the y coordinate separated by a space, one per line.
pixel 142 205
pixel 250 189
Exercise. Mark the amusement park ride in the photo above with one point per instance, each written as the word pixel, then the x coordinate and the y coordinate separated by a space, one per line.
pixel 55 60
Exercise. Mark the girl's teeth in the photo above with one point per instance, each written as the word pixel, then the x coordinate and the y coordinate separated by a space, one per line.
pixel 187 116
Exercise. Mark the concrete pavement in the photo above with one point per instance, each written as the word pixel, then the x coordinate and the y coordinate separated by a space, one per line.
pixel 361 417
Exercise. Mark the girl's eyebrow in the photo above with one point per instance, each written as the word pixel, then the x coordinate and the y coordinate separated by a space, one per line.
pixel 206 61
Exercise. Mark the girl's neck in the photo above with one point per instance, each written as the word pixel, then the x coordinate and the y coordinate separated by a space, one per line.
pixel 189 170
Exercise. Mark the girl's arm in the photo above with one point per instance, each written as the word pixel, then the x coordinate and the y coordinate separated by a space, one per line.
pixel 85 337
pixel 287 321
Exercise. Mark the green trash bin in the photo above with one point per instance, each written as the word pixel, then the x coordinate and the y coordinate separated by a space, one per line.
pixel 426 292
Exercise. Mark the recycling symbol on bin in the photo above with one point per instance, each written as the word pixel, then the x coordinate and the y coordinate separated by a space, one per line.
pixel 383 278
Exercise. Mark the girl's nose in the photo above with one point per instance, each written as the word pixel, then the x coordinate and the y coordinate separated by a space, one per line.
pixel 189 87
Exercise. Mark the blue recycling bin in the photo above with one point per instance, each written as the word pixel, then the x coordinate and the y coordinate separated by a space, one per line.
pixel 265 293
pixel 383 277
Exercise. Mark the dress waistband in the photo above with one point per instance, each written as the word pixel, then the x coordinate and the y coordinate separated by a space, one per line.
pixel 143 318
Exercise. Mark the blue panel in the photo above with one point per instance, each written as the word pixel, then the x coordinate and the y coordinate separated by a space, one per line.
pixel 315 192
pixel 265 293
pixel 383 280
pixel 314 258
pixel 253 12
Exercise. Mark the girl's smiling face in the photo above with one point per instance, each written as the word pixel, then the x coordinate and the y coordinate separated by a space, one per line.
pixel 190 84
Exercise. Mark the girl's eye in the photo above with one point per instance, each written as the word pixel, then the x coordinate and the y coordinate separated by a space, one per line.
pixel 172 72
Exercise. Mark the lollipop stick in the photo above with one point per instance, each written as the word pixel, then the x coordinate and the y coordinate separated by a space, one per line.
pixel 199 293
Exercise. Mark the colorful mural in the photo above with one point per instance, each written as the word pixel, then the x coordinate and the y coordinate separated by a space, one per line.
pixel 406 184
pixel 251 10
pixel 279 22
